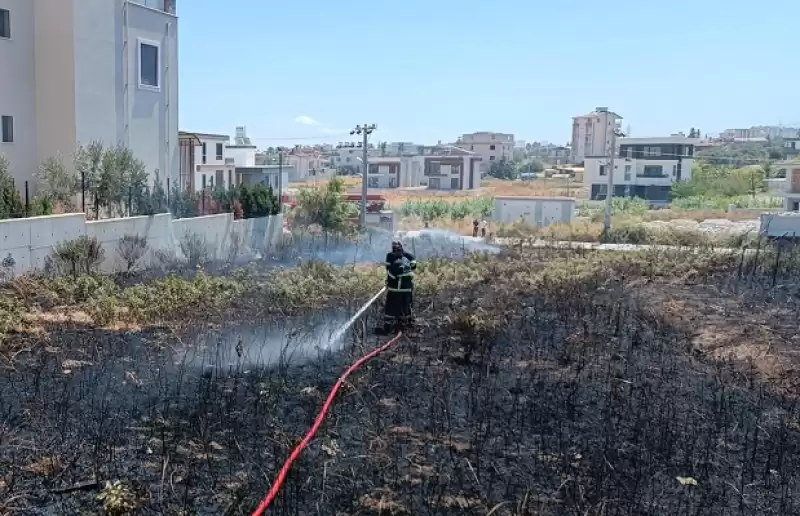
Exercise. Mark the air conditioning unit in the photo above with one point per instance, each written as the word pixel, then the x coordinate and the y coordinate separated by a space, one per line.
pixel 230 161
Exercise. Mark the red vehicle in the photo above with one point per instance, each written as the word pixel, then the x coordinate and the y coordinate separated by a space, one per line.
pixel 375 202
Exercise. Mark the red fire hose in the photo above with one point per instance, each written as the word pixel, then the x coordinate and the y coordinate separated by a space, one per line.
pixel 276 487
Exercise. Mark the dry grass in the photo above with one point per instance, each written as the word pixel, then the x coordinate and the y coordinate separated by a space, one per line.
pixel 492 188
pixel 545 382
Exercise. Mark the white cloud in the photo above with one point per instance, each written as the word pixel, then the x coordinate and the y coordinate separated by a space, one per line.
pixel 305 120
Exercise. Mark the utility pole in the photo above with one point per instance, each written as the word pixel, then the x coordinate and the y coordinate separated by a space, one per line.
pixel 280 178
pixel 612 151
pixel 364 130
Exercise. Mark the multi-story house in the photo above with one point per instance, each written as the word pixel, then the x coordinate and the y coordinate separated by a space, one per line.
pixel 77 71
pixel 789 188
pixel 210 165
pixel 489 146
pixel 209 160
pixel 643 167
pixel 791 147
pixel 395 171
pixel 306 163
pixel 592 133
pixel 437 168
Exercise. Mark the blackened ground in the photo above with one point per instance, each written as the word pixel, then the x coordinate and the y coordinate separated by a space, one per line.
pixel 588 403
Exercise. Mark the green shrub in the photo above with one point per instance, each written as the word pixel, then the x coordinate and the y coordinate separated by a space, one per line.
pixel 433 209
pixel 258 201
pixel 82 255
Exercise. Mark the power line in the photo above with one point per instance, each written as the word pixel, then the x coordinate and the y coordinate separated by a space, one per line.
pixel 283 138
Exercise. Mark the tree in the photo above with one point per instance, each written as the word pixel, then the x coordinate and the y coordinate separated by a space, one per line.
pixel 57 183
pixel 88 163
pixel 531 167
pixel 503 169
pixel 159 196
pixel 258 201
pixel 383 148
pixel 10 202
pixel 325 207
pixel 182 203
pixel 114 179
pixel 710 180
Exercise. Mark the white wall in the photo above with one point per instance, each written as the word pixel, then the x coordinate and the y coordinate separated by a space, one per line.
pixel 18 88
pixel 243 156
pixel 29 241
pixel 591 135
pixel 211 150
pixel 538 211
pixel 210 171
pixel 153 115
pixel 71 79
pixel 591 171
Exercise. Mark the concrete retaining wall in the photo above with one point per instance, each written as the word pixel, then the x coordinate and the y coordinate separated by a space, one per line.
pixel 29 241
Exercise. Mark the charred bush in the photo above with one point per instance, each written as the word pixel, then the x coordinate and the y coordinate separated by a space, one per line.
pixel 194 249
pixel 82 255
pixel 132 249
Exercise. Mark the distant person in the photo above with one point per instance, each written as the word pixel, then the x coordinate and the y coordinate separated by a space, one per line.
pixel 483 228
pixel 475 225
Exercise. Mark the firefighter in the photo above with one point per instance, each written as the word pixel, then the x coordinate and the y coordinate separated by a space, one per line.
pixel 400 267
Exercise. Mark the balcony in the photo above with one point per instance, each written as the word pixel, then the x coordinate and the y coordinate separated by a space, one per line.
pixel 168 6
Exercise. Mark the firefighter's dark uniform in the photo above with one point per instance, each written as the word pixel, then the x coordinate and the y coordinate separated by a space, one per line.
pixel 399 289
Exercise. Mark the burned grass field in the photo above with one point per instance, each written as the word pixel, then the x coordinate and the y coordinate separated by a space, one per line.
pixel 550 382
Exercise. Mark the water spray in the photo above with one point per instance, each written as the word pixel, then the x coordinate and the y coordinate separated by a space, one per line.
pixel 346 326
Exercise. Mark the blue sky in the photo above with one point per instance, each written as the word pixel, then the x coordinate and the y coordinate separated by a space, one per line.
pixel 436 69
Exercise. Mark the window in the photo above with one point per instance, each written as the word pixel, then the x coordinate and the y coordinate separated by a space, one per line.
pixel 219 151
pixel 653 171
pixel 652 151
pixel 204 181
pixel 230 178
pixel 149 65
pixel 7 128
pixel 454 183
pixel 220 178
pixel 491 147
pixel 204 158
pixel 602 170
pixel 627 172
pixel 5 23
pixel 491 158
pixel 674 170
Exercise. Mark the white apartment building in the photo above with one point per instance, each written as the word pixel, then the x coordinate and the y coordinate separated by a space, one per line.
pixel 306 163
pixel 489 146
pixel 437 172
pixel 643 167
pixel 76 71
pixel 395 171
pixel 210 164
pixel 347 157
pixel 592 133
